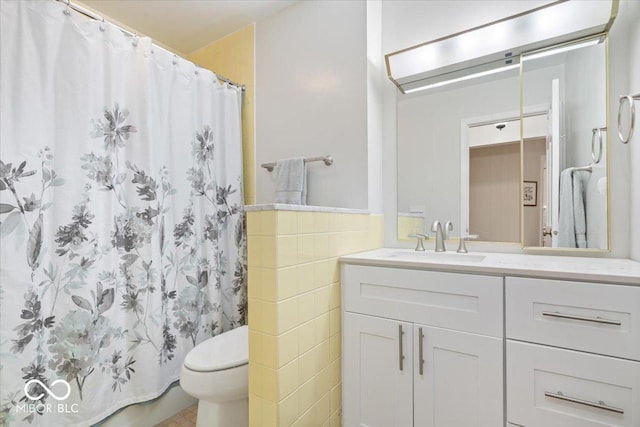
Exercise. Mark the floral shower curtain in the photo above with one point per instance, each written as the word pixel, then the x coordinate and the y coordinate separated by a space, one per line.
pixel 121 221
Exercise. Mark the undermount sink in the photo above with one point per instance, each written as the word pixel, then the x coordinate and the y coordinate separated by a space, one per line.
pixel 437 256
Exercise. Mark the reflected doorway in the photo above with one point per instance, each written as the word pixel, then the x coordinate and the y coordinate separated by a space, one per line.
pixel 498 187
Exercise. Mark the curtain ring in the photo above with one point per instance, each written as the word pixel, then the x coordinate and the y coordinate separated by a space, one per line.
pixel 102 28
pixel 632 114
pixel 596 160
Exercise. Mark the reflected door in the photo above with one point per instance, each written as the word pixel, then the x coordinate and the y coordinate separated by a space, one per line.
pixel 553 162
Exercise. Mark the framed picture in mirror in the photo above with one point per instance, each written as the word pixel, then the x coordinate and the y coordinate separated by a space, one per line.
pixel 530 193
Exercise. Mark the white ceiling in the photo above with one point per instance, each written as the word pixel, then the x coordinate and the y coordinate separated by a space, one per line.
pixel 186 25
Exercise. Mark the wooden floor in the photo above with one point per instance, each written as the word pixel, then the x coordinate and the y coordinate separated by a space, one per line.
pixel 184 418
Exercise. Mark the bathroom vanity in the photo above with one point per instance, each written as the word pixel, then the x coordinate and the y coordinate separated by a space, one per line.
pixel 447 339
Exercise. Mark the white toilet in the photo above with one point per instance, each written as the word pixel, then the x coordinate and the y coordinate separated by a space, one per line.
pixel 216 372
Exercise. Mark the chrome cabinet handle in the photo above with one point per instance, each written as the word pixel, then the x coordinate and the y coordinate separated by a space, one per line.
pixel 599 405
pixel 582 318
pixel 420 351
pixel 400 353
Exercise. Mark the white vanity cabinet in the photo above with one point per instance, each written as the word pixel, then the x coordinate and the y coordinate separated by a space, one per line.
pixel 489 340
pixel 573 353
pixel 421 348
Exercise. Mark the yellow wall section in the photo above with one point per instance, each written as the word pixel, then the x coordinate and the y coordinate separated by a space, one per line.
pixel 233 57
pixel 409 224
pixel 294 312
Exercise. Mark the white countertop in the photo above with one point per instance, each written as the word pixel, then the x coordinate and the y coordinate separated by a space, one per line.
pixel 613 270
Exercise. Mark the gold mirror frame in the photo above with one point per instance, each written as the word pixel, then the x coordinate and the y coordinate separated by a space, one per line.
pixel 566 250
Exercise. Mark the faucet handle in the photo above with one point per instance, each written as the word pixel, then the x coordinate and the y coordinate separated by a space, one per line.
pixel 462 247
pixel 420 242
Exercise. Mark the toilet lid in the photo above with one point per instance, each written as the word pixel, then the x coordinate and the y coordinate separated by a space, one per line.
pixel 224 351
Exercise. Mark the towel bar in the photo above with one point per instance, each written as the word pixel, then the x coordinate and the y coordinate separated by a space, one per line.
pixel 328 160
pixel 598 131
pixel 632 116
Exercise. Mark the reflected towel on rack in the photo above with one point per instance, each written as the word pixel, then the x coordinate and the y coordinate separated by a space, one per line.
pixel 572 226
pixel 291 181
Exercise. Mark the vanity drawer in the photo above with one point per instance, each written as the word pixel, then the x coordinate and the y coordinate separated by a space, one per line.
pixel 552 387
pixel 597 318
pixel 464 302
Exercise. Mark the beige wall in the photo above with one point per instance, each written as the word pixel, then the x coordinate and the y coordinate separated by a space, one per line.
pixel 535 154
pixel 494 192
pixel 233 58
pixel 294 312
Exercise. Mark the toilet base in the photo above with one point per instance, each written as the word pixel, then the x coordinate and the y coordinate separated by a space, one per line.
pixel 223 414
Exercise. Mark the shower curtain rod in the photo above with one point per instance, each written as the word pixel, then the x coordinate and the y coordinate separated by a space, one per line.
pixel 81 10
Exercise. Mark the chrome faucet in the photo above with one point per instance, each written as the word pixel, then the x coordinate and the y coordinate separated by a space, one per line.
pixel 436 227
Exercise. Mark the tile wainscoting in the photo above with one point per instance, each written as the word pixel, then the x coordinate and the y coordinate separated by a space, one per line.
pixel 294 309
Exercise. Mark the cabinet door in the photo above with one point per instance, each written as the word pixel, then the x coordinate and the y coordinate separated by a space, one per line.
pixel 377 390
pixel 461 383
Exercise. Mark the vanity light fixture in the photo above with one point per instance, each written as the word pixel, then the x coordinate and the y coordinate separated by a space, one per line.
pixel 460 56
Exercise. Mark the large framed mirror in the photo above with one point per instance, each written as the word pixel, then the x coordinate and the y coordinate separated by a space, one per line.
pixel 475 152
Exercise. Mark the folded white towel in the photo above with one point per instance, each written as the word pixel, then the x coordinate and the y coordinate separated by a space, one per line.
pixel 291 181
pixel 572 225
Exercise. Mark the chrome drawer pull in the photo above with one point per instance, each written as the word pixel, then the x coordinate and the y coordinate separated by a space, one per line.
pixel 401 355
pixel 583 318
pixel 598 405
pixel 420 351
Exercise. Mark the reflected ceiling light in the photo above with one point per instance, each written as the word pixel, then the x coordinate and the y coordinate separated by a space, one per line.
pixel 560 49
pixel 501 43
pixel 463 78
